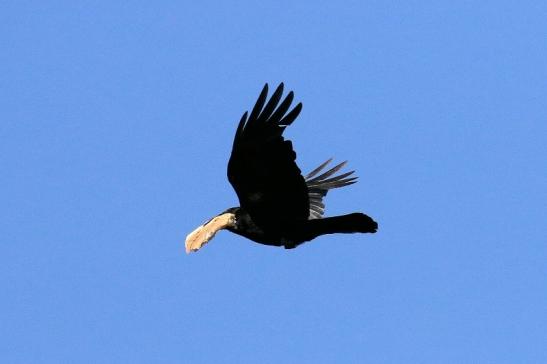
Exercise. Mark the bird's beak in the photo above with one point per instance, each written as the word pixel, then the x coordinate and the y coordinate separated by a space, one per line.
pixel 199 237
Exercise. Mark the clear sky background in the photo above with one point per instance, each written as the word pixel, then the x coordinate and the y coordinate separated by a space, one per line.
pixel 116 123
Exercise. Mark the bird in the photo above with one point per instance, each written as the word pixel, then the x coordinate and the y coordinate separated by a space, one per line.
pixel 278 205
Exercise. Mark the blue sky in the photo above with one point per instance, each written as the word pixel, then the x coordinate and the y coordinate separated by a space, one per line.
pixel 116 125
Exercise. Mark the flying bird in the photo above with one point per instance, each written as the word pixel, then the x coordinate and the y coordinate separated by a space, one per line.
pixel 278 205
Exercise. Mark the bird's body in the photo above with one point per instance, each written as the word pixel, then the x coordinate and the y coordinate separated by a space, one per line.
pixel 279 206
pixel 293 233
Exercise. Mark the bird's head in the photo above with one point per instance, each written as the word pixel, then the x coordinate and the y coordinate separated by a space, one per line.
pixel 202 234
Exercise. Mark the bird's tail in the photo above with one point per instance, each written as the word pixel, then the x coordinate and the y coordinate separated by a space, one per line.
pixel 346 224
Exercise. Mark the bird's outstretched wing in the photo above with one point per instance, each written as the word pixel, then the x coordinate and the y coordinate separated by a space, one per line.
pixel 318 186
pixel 262 167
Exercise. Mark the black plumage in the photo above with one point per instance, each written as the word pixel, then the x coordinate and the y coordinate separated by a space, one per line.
pixel 278 206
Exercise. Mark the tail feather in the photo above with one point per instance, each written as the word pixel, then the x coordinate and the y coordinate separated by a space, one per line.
pixel 345 224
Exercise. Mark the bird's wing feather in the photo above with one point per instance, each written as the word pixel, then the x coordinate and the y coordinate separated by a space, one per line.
pixel 318 186
pixel 262 167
